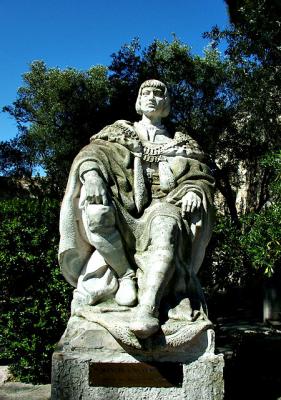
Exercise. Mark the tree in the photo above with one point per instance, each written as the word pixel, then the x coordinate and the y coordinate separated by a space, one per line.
pixel 255 30
pixel 53 105
pixel 56 112
pixel 253 46
pixel 262 238
pixel 14 161
pixel 34 298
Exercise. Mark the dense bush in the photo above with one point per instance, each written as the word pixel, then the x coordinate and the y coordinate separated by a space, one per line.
pixel 226 264
pixel 34 299
pixel 263 230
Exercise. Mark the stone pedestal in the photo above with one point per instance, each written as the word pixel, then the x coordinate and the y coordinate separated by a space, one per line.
pixel 90 363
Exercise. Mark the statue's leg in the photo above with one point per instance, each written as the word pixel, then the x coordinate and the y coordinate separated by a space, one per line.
pixel 96 282
pixel 102 233
pixel 157 275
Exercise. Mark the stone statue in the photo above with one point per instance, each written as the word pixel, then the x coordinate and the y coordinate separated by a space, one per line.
pixel 135 222
pixel 136 219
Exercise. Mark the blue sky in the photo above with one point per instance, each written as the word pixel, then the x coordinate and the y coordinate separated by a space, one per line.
pixel 83 33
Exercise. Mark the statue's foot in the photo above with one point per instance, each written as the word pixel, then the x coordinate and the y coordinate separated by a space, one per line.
pixel 83 298
pixel 126 294
pixel 145 323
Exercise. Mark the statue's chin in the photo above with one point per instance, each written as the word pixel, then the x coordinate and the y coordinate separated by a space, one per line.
pixel 150 110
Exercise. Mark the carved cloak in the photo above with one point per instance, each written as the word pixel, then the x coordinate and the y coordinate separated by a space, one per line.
pixel 114 150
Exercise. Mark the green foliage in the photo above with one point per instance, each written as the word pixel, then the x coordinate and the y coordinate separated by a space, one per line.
pixel 262 241
pixel 273 161
pixel 239 253
pixel 256 29
pixel 253 46
pixel 262 237
pixel 226 263
pixel 201 101
pixel 230 108
pixel 13 161
pixel 56 112
pixel 34 299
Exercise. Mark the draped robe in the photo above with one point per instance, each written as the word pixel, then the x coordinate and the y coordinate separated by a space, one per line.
pixel 119 156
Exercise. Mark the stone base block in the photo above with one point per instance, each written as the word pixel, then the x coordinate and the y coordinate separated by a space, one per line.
pixel 178 362
pixel 113 376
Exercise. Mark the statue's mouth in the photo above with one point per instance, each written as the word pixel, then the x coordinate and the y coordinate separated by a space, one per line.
pixel 151 105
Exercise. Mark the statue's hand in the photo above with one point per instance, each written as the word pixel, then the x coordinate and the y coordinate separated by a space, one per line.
pixel 190 202
pixel 95 188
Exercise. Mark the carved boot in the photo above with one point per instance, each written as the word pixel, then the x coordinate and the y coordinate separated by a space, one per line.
pixel 126 294
pixel 145 322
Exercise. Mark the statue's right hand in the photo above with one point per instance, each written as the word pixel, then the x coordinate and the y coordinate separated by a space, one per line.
pixel 95 188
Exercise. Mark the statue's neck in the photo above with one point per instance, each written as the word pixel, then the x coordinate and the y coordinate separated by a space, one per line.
pixel 152 133
pixel 151 121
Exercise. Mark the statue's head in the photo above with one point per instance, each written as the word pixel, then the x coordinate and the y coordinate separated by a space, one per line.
pixel 153 93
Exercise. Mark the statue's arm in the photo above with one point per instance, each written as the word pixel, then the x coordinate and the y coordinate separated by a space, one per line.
pixel 95 187
pixel 194 181
pixel 190 202
pixel 199 184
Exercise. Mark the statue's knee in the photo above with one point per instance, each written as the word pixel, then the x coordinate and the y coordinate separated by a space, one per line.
pixel 162 256
pixel 100 217
pixel 163 231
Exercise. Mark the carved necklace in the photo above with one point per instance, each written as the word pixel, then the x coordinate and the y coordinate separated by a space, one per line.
pixel 152 152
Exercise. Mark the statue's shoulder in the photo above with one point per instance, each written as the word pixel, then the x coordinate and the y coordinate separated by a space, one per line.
pixel 118 129
pixel 185 138
pixel 193 149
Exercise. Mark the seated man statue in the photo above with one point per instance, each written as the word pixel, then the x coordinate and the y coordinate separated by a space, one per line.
pixel 137 216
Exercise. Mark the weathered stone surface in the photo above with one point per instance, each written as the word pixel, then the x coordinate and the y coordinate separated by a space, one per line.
pixel 135 221
pixel 86 349
pixel 137 217
pixel 72 374
pixel 187 343
pixel 22 391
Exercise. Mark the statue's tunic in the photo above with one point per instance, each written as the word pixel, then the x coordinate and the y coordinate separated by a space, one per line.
pixel 144 180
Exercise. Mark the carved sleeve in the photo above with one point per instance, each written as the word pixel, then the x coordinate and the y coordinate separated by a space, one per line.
pixel 88 166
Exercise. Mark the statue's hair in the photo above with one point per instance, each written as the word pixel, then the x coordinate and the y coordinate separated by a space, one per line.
pixel 157 84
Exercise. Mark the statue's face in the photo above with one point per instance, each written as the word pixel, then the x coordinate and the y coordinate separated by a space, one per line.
pixel 152 101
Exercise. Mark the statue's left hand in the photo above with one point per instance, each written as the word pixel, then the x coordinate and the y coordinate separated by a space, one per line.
pixel 190 202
